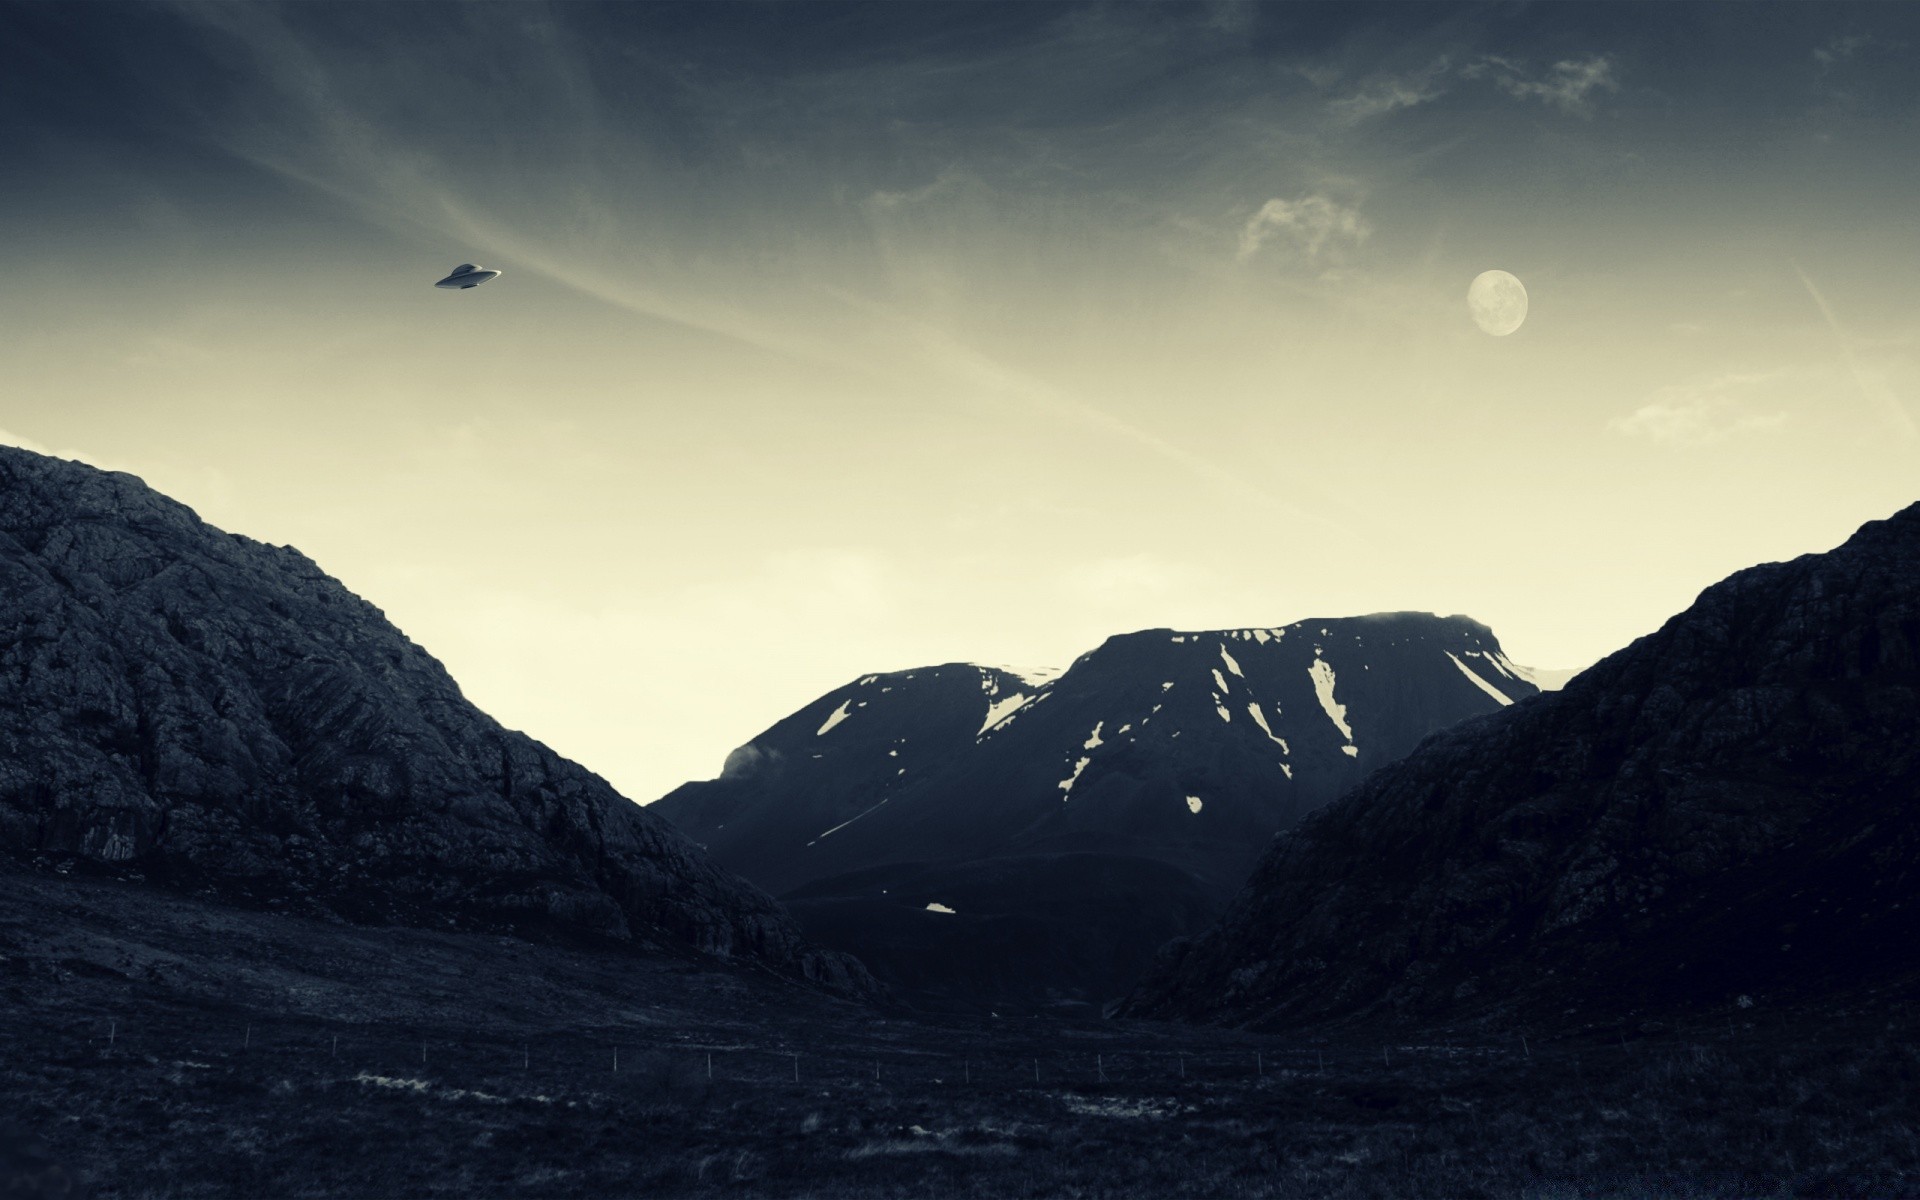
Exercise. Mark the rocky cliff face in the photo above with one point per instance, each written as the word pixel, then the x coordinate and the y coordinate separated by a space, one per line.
pixel 208 710
pixel 1729 808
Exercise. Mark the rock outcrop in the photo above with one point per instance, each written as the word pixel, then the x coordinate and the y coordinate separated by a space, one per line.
pixel 210 711
pixel 1725 812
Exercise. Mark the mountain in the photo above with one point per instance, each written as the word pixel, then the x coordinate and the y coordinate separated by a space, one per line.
pixel 1725 812
pixel 978 834
pixel 198 709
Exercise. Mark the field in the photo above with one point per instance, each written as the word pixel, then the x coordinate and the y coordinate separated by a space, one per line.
pixel 155 1045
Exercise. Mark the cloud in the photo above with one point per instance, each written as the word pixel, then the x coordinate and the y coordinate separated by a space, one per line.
pixel 1873 387
pixel 1390 95
pixel 1120 581
pixel 1568 85
pixel 333 132
pixel 1316 224
pixel 1702 412
pixel 747 761
pixel 1840 48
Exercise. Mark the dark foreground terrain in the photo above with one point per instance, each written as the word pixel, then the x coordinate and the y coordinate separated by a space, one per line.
pixel 161 1046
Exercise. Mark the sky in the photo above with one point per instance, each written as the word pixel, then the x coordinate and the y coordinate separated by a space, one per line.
pixel 841 338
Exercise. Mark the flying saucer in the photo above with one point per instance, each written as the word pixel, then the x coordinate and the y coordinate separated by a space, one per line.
pixel 467 275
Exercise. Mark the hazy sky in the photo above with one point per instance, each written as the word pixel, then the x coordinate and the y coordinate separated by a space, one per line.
pixel 842 338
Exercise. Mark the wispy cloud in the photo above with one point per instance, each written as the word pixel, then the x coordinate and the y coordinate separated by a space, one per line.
pixel 1382 96
pixel 348 152
pixel 1873 387
pixel 1840 47
pixel 1316 225
pixel 1702 412
pixel 1570 85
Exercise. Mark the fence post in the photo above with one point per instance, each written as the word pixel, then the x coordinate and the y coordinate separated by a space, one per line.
pixel 247 1042
pixel 1100 1065
pixel 709 1066
pixel 616 1060
pixel 1259 1067
pixel 796 1068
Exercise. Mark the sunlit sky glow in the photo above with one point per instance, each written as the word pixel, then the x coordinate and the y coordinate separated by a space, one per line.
pixel 842 338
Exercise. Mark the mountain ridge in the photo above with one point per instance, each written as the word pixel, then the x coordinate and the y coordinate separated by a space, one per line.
pixel 1723 809
pixel 1082 821
pixel 199 707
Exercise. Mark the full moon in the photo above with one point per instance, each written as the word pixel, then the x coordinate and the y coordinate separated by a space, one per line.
pixel 1498 302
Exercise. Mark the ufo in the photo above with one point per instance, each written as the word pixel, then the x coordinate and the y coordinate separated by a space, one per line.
pixel 466 275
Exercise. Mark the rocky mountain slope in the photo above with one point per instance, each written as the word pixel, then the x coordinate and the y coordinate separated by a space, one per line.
pixel 973 830
pixel 1725 812
pixel 197 708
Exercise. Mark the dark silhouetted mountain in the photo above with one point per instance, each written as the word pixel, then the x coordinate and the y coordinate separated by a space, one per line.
pixel 1726 811
pixel 196 708
pixel 979 834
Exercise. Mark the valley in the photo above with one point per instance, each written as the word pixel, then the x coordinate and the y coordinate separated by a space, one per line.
pixel 159 1045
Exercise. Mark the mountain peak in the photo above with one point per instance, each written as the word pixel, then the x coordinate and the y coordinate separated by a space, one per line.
pixel 1156 766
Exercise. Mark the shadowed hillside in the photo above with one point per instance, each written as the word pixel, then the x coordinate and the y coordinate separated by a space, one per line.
pixel 191 706
pixel 1726 811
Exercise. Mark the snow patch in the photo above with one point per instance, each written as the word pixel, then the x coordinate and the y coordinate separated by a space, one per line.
pixel 1231 664
pixel 1322 674
pixel 1222 710
pixel 1480 683
pixel 1166 687
pixel 1033 677
pixel 1492 660
pixel 999 710
pixel 839 714
pixel 1260 719
pixel 1260 635
pixel 1066 785
pixel 849 821
pixel 1193 804
pixel 1545 679
pixel 939 908
pixel 1350 751
pixel 1178 639
pixel 1220 681
pixel 1093 739
pixel 1286 770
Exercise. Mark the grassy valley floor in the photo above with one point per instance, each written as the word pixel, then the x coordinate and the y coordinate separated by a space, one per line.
pixel 156 1045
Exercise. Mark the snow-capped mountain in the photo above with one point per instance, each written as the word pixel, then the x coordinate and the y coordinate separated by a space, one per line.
pixel 949 822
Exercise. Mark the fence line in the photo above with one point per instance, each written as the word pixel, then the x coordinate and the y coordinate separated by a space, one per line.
pixel 678 1064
